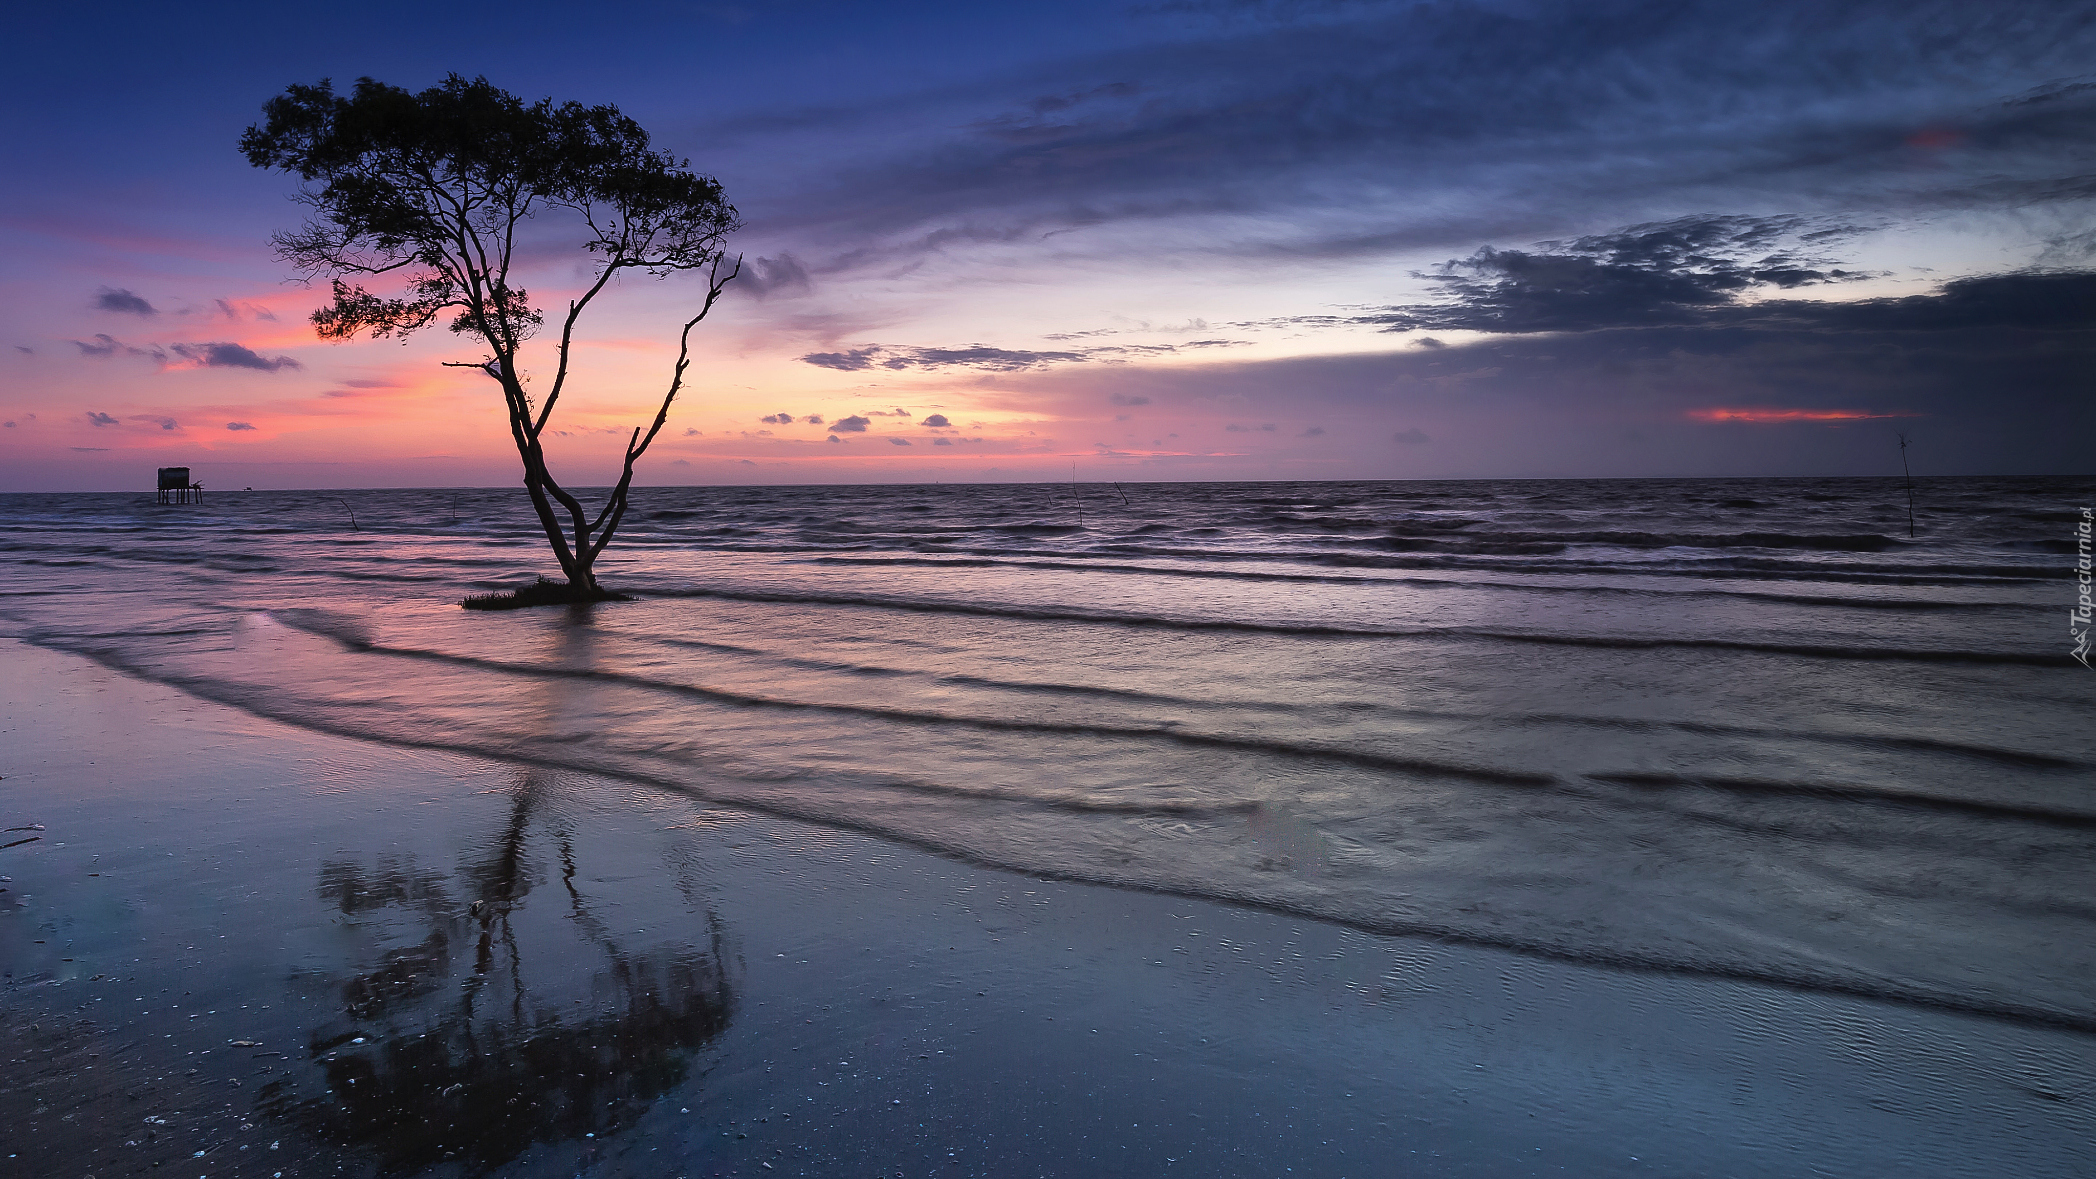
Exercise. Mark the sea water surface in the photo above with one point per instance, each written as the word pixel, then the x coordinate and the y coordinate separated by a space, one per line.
pixel 1742 728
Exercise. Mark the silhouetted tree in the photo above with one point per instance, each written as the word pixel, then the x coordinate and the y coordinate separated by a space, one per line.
pixel 434 187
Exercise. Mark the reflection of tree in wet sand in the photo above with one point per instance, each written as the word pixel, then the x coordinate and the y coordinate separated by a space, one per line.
pixel 417 1080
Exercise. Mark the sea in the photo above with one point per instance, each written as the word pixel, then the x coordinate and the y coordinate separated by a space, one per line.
pixel 1825 734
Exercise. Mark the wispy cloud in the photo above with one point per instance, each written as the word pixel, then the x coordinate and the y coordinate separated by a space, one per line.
pixel 988 359
pixel 1374 129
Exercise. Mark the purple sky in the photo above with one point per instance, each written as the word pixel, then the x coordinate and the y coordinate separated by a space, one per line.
pixel 1155 240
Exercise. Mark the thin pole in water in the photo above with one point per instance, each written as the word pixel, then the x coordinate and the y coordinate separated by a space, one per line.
pixel 352 514
pixel 1910 485
pixel 1074 495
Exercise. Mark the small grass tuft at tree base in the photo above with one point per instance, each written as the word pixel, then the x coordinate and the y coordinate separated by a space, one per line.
pixel 546 592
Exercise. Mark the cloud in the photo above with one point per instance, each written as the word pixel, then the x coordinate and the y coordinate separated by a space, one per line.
pixel 108 299
pixel 935 441
pixel 88 449
pixel 1661 273
pixel 899 441
pixel 231 355
pixel 1367 129
pixel 762 278
pixel 1766 415
pixel 977 356
pixel 845 362
pixel 1127 399
pixel 160 420
pixel 851 425
pixel 101 419
pixel 103 346
pixel 834 438
pixel 1623 281
pixel 1995 366
pixel 777 419
pixel 896 357
pixel 7 425
pixel 238 426
pixel 1312 432
pixel 813 419
pixel 25 350
pixel 937 421
pixel 252 311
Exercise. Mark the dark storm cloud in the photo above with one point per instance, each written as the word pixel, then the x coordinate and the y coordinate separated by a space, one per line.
pixel 230 355
pixel 1993 370
pixel 1550 113
pixel 1671 272
pixel 124 301
pixel 1694 272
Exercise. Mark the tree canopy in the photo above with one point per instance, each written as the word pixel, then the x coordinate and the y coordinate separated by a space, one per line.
pixel 432 189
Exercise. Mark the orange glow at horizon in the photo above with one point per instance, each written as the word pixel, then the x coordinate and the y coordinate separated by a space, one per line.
pixel 1790 415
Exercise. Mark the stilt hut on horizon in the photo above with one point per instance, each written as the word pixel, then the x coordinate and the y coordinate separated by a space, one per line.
pixel 175 487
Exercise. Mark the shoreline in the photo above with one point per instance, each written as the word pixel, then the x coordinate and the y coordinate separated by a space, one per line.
pixel 908 1011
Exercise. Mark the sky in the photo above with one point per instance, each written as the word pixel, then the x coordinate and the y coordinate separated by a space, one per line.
pixel 1190 240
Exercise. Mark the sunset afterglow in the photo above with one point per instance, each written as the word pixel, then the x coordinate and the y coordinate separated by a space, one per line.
pixel 1167 242
pixel 1790 415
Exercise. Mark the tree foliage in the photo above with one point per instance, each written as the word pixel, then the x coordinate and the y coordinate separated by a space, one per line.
pixel 433 188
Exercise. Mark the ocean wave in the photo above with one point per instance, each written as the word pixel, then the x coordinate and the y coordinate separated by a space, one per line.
pixel 847 804
pixel 358 639
pixel 1463 583
pixel 1334 630
pixel 1859 795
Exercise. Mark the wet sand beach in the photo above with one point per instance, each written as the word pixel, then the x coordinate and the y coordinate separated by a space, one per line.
pixel 1493 828
pixel 261 943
